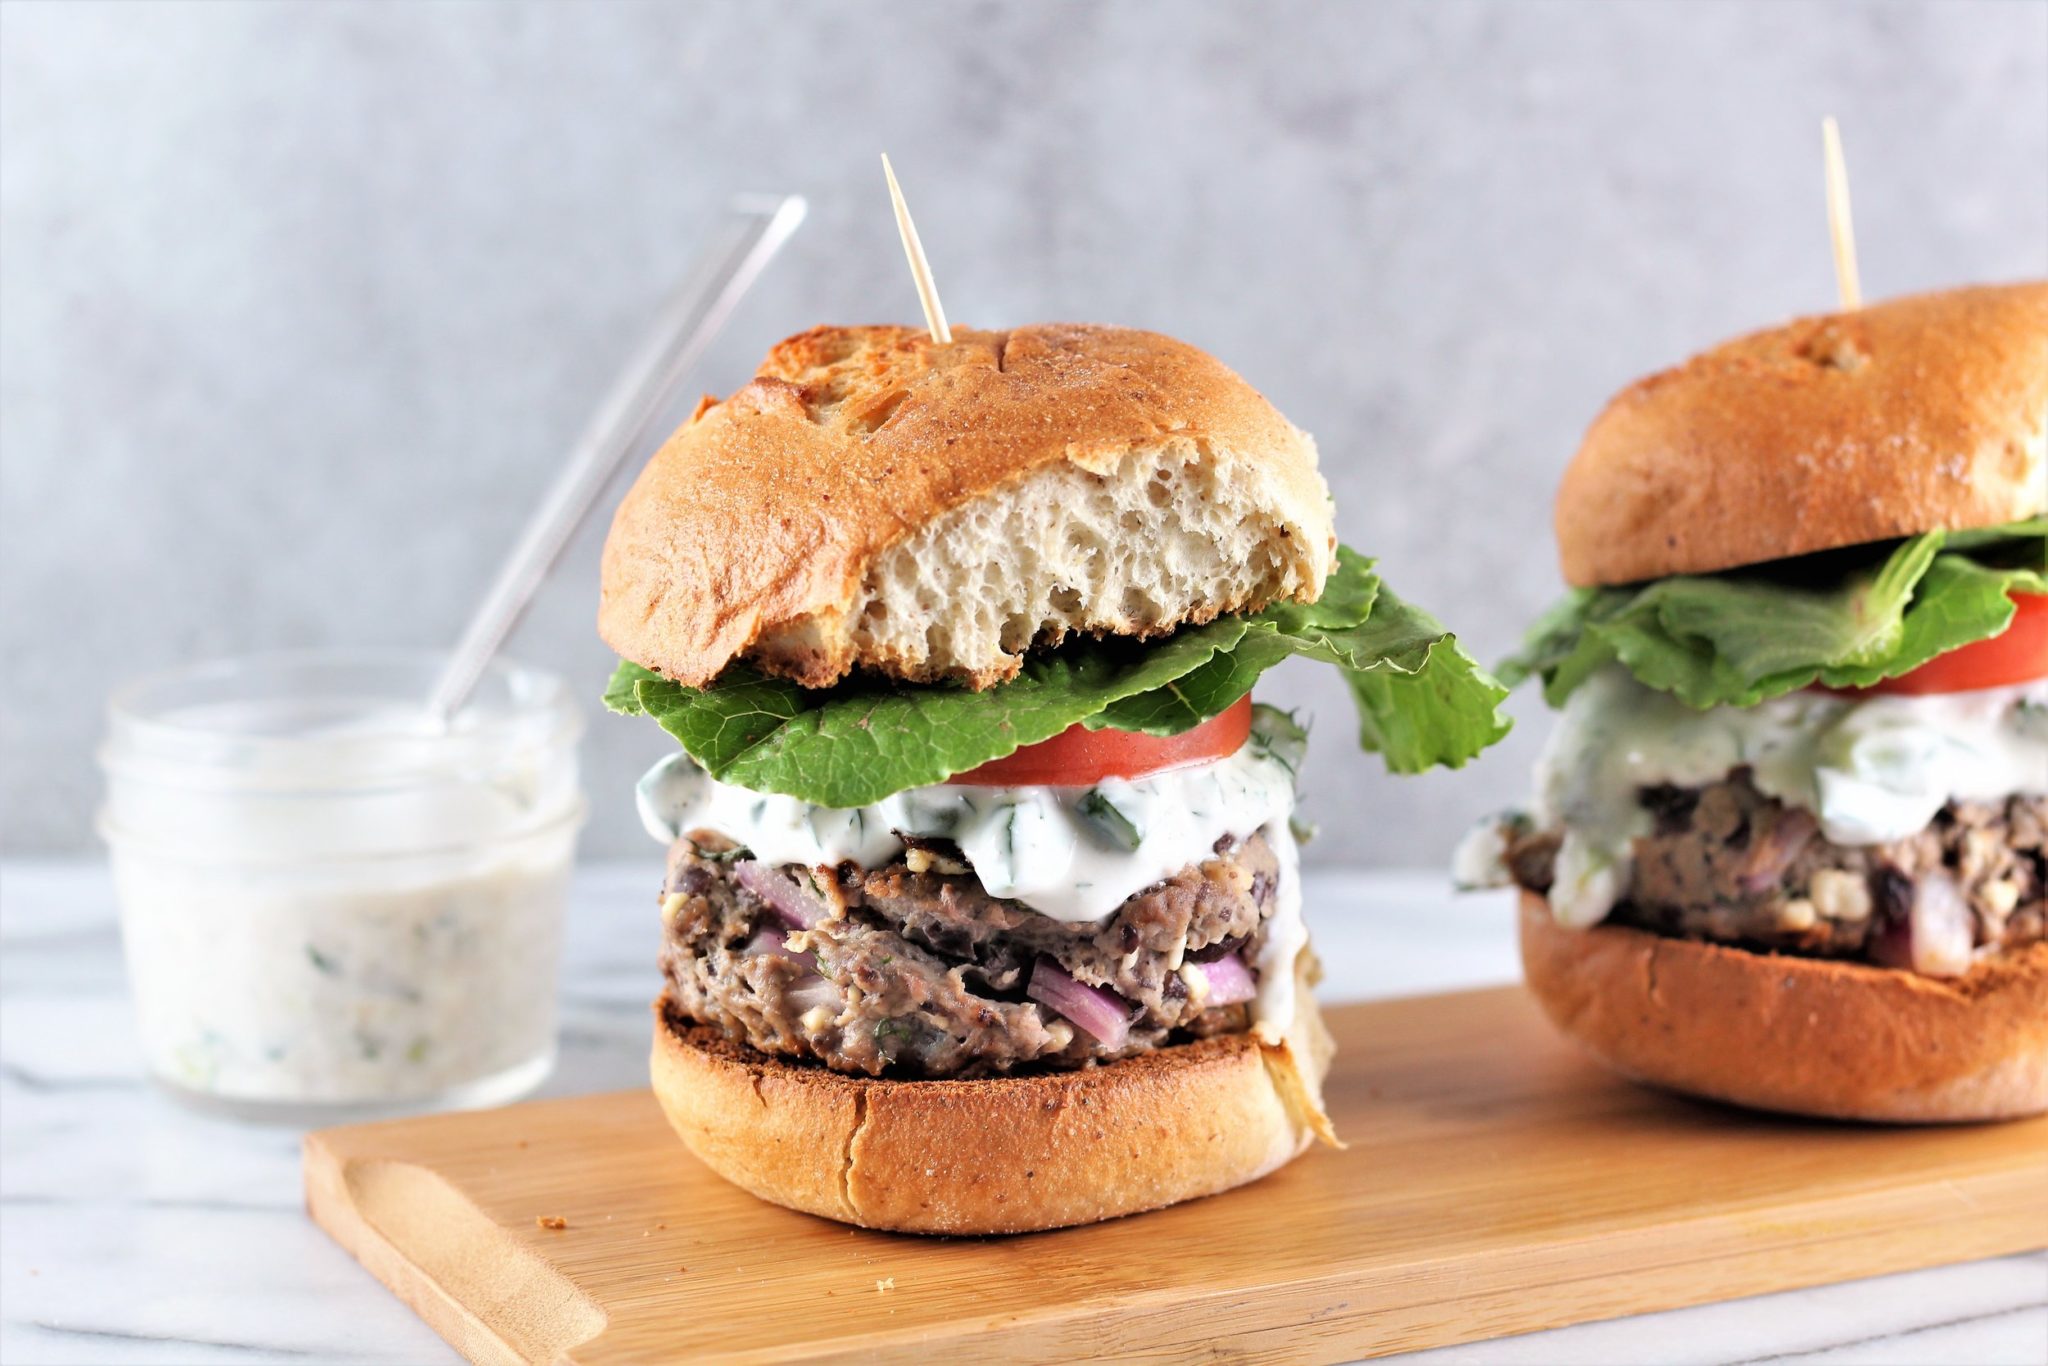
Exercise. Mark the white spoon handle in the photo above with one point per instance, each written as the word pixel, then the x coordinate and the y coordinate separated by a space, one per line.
pixel 754 230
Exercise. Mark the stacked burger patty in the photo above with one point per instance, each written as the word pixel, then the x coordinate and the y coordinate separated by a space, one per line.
pixel 914 970
pixel 1728 864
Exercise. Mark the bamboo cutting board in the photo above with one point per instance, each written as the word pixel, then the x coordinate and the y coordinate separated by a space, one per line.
pixel 1494 1184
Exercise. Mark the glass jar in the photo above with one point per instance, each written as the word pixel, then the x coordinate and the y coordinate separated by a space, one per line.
pixel 331 907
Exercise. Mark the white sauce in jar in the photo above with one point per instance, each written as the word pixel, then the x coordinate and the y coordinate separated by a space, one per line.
pixel 1074 854
pixel 1871 769
pixel 336 987
pixel 331 908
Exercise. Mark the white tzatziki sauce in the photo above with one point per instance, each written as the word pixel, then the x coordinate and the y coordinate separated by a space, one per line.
pixel 1870 769
pixel 330 906
pixel 1074 854
pixel 335 989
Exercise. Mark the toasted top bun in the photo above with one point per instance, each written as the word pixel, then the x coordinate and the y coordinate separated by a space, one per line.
pixel 1921 414
pixel 1000 1154
pixel 1805 1036
pixel 874 499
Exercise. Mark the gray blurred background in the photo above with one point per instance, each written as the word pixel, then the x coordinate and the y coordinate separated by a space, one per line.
pixel 300 304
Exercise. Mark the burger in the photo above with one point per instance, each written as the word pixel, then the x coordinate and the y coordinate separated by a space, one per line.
pixel 1789 840
pixel 982 911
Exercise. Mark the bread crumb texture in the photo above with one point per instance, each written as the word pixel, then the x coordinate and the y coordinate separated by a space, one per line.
pixel 875 500
pixel 1171 535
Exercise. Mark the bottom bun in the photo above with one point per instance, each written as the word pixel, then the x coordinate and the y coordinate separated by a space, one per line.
pixel 995 1155
pixel 1806 1036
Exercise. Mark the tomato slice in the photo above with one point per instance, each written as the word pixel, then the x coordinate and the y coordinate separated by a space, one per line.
pixel 1078 756
pixel 2018 654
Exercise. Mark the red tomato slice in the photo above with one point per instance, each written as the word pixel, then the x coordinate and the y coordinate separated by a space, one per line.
pixel 1077 756
pixel 2018 654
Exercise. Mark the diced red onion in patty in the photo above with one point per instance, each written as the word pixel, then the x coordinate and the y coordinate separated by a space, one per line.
pixel 808 993
pixel 1774 848
pixel 768 939
pixel 1944 936
pixel 1096 1011
pixel 797 906
pixel 1230 981
pixel 1935 935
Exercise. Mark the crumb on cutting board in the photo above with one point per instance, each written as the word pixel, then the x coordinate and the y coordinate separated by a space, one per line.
pixel 885 1284
pixel 551 1221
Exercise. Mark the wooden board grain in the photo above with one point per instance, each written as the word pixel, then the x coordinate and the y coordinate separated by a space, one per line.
pixel 1495 1184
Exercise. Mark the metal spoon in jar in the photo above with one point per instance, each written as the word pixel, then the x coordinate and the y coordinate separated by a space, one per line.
pixel 754 230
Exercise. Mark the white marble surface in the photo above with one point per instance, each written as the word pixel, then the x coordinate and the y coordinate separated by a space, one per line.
pixel 131 1231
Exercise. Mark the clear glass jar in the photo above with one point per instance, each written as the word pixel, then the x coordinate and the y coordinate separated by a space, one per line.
pixel 332 908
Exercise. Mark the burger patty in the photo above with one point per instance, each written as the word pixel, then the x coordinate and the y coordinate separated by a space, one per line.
pixel 1727 863
pixel 916 971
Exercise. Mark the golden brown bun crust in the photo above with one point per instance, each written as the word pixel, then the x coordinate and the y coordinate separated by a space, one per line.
pixel 1920 414
pixel 1007 1155
pixel 1801 1035
pixel 759 518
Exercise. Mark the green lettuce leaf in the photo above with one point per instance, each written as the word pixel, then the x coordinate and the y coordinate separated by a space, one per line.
pixel 1281 630
pixel 1430 703
pixel 1421 699
pixel 1735 639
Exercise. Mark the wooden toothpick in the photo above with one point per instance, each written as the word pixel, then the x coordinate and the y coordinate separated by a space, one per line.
pixel 920 269
pixel 1840 226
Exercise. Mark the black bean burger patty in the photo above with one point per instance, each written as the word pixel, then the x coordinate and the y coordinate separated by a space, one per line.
pixel 915 971
pixel 1727 863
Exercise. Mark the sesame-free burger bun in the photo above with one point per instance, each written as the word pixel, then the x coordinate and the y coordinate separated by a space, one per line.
pixel 1920 414
pixel 873 499
pixel 998 1154
pixel 1806 1036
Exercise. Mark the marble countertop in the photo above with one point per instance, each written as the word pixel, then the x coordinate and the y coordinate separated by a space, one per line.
pixel 134 1231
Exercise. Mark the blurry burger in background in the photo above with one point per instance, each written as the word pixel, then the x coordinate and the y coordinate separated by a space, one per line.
pixel 982 910
pixel 1789 843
